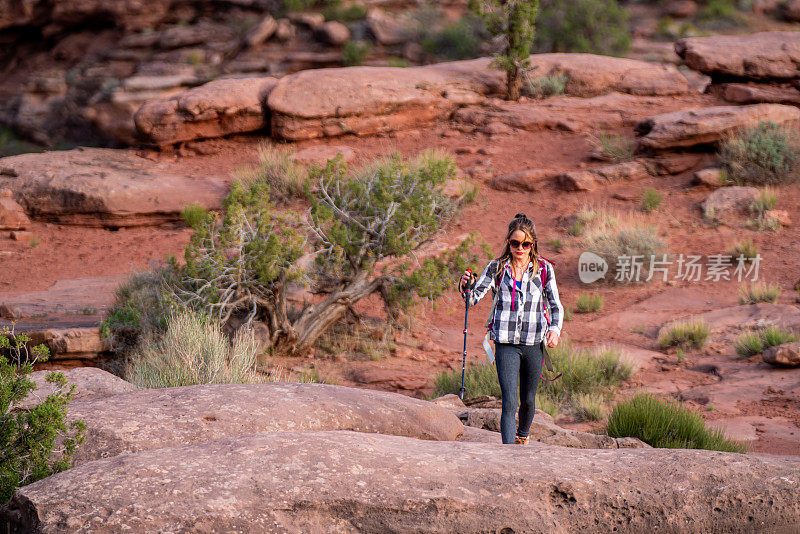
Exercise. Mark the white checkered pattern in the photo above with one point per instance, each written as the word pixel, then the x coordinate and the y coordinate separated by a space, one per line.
pixel 526 324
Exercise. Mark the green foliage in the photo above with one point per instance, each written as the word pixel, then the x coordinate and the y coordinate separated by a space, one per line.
pixel 616 148
pixel 666 424
pixel 458 40
pixel 754 342
pixel 194 214
pixel 354 53
pixel 759 292
pixel 766 200
pixel 275 176
pixel 11 145
pixel 35 442
pixel 589 407
pixel 140 308
pixel 386 209
pixel 589 303
pixel 359 341
pixel 593 26
pixel 398 62
pixel 556 244
pixel 514 23
pixel 544 86
pixel 719 14
pixel 684 334
pixel 651 199
pixel 765 154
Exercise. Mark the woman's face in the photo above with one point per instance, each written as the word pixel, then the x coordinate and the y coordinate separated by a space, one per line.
pixel 521 237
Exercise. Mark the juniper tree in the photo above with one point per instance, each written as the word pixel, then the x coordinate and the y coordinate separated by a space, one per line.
pixel 362 229
pixel 513 21
pixel 35 442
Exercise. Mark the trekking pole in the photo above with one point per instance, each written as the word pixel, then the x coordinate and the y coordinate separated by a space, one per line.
pixel 468 291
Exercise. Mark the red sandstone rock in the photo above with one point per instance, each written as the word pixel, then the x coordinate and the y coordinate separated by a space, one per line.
pixel 221 107
pixel 756 94
pixel 757 56
pixel 12 216
pixel 708 125
pixel 786 355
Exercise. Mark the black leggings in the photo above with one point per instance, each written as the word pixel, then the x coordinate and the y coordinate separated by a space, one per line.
pixel 523 363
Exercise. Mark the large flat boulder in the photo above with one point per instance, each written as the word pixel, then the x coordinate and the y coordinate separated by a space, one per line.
pixel 368 100
pixel 104 188
pixel 151 419
pixel 708 125
pixel 89 382
pixel 355 482
pixel 218 108
pixel 758 56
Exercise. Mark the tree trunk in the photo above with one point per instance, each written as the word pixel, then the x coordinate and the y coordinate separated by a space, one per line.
pixel 513 83
pixel 315 320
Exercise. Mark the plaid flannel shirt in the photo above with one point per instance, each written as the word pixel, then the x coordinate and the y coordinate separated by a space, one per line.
pixel 526 324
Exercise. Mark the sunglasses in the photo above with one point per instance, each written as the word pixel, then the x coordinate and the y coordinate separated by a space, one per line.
pixel 517 244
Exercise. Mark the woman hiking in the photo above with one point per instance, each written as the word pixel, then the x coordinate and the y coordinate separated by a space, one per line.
pixel 518 324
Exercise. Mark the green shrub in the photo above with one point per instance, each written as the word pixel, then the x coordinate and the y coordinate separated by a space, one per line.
pixel 666 424
pixel 746 249
pixel 458 40
pixel 11 145
pixel 594 26
pixel 354 53
pixel 589 303
pixel 651 200
pixel 194 214
pixel 765 154
pixel 567 314
pixel 684 334
pixel 400 62
pixel 759 292
pixel 544 86
pixel 556 244
pixel 589 407
pixel 749 344
pixel 766 200
pixel 479 379
pixel 275 175
pixel 719 14
pixel 756 341
pixel 616 148
pixel 576 228
pixel 35 442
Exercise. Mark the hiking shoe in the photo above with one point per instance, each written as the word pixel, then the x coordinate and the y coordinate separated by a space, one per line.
pixel 519 440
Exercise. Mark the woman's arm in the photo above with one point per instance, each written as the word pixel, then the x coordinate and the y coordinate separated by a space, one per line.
pixel 483 285
pixel 553 300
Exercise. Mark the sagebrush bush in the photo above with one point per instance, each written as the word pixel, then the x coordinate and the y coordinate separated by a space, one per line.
pixel 618 238
pixel 666 424
pixel 684 334
pixel 37 441
pixel 589 303
pixel 748 344
pixel 544 86
pixel 616 148
pixel 593 26
pixel 759 292
pixel 764 154
pixel 194 350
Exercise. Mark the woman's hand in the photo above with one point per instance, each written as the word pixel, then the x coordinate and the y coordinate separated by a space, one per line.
pixel 552 338
pixel 466 278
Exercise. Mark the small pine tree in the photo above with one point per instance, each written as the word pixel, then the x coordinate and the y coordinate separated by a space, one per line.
pixel 514 20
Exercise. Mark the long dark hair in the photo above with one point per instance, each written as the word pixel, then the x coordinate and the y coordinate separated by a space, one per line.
pixel 523 223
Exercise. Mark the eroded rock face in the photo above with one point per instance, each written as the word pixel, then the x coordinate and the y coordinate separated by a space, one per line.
pixel 759 93
pixel 151 419
pixel 758 56
pixel 101 187
pixel 221 107
pixel 12 216
pixel 346 481
pixel 728 202
pixel 589 179
pixel 708 125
